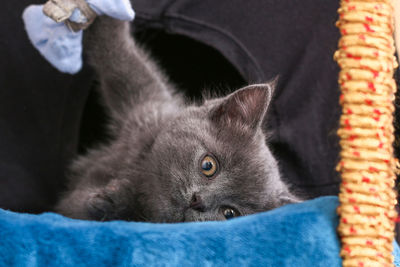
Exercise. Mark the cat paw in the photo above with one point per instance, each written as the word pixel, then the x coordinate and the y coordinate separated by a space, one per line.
pixel 100 207
pixel 108 202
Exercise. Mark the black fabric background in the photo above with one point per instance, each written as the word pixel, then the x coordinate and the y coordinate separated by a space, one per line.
pixel 46 115
pixel 40 111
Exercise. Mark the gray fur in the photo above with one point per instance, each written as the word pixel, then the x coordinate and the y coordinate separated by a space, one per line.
pixel 150 169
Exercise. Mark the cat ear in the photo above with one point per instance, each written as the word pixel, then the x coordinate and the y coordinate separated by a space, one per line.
pixel 245 107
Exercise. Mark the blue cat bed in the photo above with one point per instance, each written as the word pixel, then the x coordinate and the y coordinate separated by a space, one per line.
pixel 295 235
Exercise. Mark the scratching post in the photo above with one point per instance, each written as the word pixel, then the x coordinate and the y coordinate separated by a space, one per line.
pixel 367 199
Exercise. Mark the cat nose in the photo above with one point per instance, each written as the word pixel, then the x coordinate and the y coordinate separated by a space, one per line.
pixel 196 203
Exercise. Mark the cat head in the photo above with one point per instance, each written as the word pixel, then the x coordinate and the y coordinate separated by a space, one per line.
pixel 214 162
pixel 210 162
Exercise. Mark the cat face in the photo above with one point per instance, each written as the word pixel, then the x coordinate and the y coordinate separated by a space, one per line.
pixel 212 162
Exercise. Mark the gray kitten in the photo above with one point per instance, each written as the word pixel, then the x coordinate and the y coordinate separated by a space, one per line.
pixel 169 161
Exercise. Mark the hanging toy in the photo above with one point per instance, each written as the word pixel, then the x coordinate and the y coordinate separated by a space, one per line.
pixel 56 28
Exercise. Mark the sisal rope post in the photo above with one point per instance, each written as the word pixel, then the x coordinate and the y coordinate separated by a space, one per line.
pixel 366 57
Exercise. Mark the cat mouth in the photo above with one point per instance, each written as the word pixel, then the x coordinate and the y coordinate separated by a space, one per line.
pixel 190 215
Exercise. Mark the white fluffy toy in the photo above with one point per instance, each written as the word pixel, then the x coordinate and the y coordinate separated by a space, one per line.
pixel 56 28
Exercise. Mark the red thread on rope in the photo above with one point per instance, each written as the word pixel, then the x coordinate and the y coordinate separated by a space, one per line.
pixel 366 179
pixel 368 28
pixel 356 209
pixel 373 169
pixel 368 102
pixel 371 86
pixel 349 191
pixel 397 219
pixel 348 55
pixel 352 137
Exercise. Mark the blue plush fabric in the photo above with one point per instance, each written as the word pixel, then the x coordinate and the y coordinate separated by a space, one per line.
pixel 295 235
pixel 56 43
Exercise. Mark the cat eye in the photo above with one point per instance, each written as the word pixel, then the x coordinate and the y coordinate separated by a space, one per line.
pixel 208 166
pixel 230 213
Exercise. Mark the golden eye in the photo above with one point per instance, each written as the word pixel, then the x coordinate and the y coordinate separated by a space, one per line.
pixel 208 166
